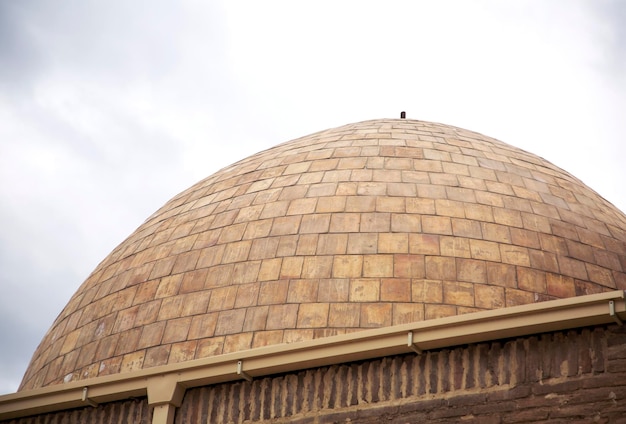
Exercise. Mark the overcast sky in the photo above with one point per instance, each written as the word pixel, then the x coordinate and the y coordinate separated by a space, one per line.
pixel 110 108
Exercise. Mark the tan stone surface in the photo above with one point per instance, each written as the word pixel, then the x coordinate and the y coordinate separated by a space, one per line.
pixel 370 224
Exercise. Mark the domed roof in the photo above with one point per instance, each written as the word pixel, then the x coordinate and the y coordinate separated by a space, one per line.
pixel 367 225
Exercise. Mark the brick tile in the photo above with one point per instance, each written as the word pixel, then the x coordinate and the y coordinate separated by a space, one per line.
pixel 331 204
pixel 237 342
pixel 346 266
pixel 317 267
pixel 332 244
pixel 361 204
pixel 132 361
pixel 525 238
pixel 401 189
pixel 345 222
pixel 302 291
pixel 508 217
pixel 426 291
pixel 424 244
pixel 455 293
pixel 405 223
pixel 273 292
pixel 420 206
pixel 390 204
pixel 439 311
pixel 246 272
pixel 572 268
pixel 376 314
pixel 195 303
pixel 285 225
pixel 170 307
pixel 471 270
pixel 222 298
pixel 263 248
pixel 404 313
pixel 395 290
pixel 478 212
pixel 443 179
pixel 282 316
pixel 230 322
pixel 496 232
pixel 344 315
pixel 553 244
pixel 313 315
pixel 256 229
pixel 333 290
pixel 237 251
pixel 176 330
pixel 156 356
pixel 600 275
pixel 302 206
pixel 440 268
pixel 415 177
pixel 317 223
pixel 386 175
pixel 256 318
pixel 515 297
pixel 580 251
pixel 489 199
pixel 184 351
pixel 466 228
pixel 436 225
pixel 151 334
pixel 202 326
pixel 193 281
pixel 489 297
pixel 454 246
pixel 292 267
pixel 267 338
pixel 270 269
pixel 514 255
pixel 375 222
pixel 247 295
pixel 536 223
pixel 485 250
pixel 544 261
pixel 408 266
pixel 378 266
pixel 364 290
pixel 560 286
pixel 362 243
pixel 231 233
pixel 210 347
pixel 445 207
pixel 531 280
pixel 371 189
pixel 292 191
pixel 393 243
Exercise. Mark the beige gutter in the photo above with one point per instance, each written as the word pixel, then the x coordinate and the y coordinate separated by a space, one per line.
pixel 165 386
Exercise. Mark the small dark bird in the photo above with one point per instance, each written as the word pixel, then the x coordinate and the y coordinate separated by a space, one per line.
pixel 402 115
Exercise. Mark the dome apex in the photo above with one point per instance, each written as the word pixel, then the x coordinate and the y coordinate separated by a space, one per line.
pixel 370 224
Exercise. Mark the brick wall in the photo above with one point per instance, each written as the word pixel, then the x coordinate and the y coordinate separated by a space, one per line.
pixel 573 376
pixel 134 411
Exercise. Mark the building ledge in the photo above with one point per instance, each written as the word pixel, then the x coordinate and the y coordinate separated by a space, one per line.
pixel 165 386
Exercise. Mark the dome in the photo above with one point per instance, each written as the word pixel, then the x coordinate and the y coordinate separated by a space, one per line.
pixel 368 225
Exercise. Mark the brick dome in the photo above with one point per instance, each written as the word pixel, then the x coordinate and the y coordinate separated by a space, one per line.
pixel 367 225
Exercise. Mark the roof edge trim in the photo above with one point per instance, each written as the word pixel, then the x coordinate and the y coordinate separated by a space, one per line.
pixel 523 320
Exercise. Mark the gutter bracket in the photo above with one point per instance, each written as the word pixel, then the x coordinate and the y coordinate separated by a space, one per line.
pixel 86 399
pixel 613 314
pixel 412 345
pixel 242 373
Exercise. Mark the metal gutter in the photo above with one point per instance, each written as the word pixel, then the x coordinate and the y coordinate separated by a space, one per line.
pixel 165 385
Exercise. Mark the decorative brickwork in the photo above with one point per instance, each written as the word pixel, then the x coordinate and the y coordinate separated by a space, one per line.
pixel 367 225
pixel 562 377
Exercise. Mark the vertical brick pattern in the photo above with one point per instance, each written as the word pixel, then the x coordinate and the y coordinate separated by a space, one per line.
pixel 560 377
pixel 129 411
pixel 366 225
